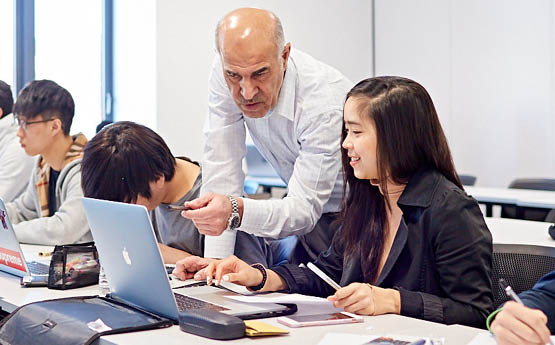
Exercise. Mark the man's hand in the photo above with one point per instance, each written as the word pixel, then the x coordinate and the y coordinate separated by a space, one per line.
pixel 186 268
pixel 210 213
pixel 518 324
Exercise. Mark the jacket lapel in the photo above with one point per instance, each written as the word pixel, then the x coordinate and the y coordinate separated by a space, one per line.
pixel 396 249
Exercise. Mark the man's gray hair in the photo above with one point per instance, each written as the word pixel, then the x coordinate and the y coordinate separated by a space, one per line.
pixel 279 37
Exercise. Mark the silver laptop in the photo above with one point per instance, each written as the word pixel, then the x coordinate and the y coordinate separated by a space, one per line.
pixel 129 253
pixel 12 259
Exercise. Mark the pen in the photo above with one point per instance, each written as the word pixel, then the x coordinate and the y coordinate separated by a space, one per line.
pixel 179 208
pixel 509 291
pixel 512 295
pixel 45 253
pixel 323 276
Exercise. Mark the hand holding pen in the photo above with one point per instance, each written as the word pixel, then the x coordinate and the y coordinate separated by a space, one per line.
pixel 518 324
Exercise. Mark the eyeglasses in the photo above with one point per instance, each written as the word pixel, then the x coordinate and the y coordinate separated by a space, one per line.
pixel 24 124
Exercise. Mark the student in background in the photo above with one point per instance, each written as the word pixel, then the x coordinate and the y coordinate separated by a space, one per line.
pixel 15 164
pixel 412 242
pixel 128 162
pixel 50 211
pixel 531 323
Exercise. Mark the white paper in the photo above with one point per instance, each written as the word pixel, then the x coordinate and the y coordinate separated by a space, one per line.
pixel 282 298
pixel 306 305
pixel 486 338
pixel 98 326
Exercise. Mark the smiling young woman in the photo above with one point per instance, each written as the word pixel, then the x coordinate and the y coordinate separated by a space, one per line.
pixel 411 241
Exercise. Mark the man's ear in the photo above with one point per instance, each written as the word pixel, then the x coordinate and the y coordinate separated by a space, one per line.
pixel 158 183
pixel 285 55
pixel 1 112
pixel 56 126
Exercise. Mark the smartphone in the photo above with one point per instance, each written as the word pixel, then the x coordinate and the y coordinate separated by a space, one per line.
pixel 179 208
pixel 319 320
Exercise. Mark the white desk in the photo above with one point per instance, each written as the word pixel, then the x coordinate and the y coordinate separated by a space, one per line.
pixel 384 324
pixel 517 231
pixel 510 196
pixel 12 296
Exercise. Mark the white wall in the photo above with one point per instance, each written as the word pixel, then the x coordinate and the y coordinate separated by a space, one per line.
pixel 489 67
pixel 135 61
pixel 335 32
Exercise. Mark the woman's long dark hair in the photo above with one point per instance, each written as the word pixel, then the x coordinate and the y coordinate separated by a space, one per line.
pixel 409 138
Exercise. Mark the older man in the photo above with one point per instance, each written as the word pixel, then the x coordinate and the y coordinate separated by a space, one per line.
pixel 292 106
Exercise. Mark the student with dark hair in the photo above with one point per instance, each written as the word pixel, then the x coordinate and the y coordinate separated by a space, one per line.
pixel 14 163
pixel 411 242
pixel 128 162
pixel 50 211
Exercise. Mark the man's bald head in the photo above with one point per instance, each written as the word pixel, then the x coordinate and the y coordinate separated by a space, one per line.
pixel 249 26
pixel 254 59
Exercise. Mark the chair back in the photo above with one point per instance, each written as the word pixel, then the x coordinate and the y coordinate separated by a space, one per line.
pixel 251 187
pixel 550 218
pixel 467 180
pixel 521 266
pixel 530 213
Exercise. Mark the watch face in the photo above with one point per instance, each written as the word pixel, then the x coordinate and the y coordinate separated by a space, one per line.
pixel 234 222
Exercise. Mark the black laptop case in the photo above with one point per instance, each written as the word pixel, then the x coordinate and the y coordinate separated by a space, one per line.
pixel 74 320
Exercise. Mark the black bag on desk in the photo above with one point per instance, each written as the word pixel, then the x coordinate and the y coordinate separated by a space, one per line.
pixel 74 320
pixel 73 266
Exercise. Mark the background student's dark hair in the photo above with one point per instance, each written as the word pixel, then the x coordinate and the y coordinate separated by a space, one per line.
pixel 48 99
pixel 409 138
pixel 122 159
pixel 6 99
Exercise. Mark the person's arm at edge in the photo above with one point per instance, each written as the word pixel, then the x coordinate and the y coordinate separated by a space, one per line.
pixel 24 207
pixel 16 168
pixel 542 296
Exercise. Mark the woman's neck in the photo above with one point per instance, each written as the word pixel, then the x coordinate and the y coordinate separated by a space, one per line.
pixel 394 190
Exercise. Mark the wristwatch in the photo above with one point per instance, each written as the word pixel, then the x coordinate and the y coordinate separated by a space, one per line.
pixel 234 220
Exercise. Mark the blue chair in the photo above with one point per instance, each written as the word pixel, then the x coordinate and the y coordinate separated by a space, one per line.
pixel 251 187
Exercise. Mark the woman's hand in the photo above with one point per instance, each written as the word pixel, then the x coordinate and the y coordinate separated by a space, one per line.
pixel 232 270
pixel 365 299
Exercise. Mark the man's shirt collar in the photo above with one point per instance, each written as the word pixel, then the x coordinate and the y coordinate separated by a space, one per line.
pixel 287 94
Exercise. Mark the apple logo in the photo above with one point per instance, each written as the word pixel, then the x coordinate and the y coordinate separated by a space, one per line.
pixel 126 257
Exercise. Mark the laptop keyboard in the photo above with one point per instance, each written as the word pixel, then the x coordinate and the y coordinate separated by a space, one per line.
pixel 38 268
pixel 188 303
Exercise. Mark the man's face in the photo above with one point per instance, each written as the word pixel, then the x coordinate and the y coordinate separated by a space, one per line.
pixel 254 77
pixel 36 134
